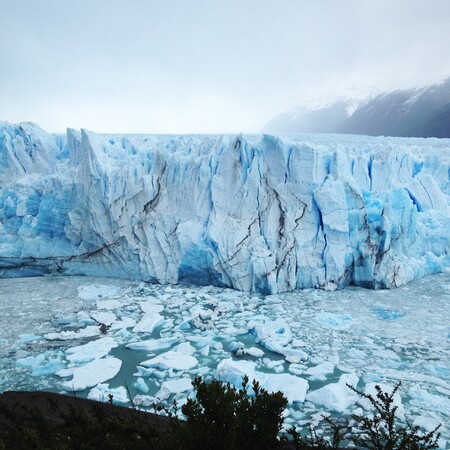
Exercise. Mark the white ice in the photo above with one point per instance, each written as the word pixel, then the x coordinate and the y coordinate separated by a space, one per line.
pixel 153 344
pixel 102 392
pixel 293 387
pixel 148 323
pixel 81 354
pixel 171 360
pixel 336 396
pixel 257 213
pixel 171 387
pixel 93 373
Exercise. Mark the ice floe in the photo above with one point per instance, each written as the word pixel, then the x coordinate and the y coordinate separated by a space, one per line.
pixel 87 332
pixel 103 393
pixel 336 396
pixel 93 373
pixel 171 360
pixel 46 363
pixel 153 344
pixel 148 323
pixel 141 385
pixel 92 350
pixel 171 387
pixel 320 371
pixel 293 387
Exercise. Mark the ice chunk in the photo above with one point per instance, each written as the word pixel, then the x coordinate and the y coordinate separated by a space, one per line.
pixel 106 317
pixel 29 337
pixel 336 396
pixel 335 321
pixel 103 393
pixel 171 387
pixel 424 399
pixel 151 306
pixel 89 331
pixel 42 364
pixel 234 346
pixel 275 336
pixel 108 304
pixel 144 400
pixel 255 352
pixel 96 291
pixel 320 371
pixel 171 360
pixel 153 344
pixel 93 373
pixel 125 322
pixel 148 323
pixel 65 372
pixel 293 387
pixel 427 422
pixel 141 385
pixel 92 350
pixel 185 348
pixel 270 331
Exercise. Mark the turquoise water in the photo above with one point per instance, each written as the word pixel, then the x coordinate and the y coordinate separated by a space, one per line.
pixel 377 336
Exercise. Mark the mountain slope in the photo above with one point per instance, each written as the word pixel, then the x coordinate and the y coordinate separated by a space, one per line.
pixel 414 113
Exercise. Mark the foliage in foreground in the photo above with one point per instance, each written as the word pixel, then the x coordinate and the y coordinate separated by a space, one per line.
pixel 222 417
pixel 219 417
pixel 378 431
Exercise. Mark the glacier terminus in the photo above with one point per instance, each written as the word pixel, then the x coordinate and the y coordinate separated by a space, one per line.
pixel 255 213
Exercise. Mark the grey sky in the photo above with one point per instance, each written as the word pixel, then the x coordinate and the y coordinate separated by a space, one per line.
pixel 181 66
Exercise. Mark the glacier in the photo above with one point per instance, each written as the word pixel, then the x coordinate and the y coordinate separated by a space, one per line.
pixel 252 212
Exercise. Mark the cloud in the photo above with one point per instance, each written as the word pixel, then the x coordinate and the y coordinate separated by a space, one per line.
pixel 207 65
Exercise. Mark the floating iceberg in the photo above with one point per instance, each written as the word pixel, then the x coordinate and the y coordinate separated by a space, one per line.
pixel 294 388
pixel 93 373
pixel 255 213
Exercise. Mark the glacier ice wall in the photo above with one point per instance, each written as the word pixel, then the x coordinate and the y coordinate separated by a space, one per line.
pixel 260 213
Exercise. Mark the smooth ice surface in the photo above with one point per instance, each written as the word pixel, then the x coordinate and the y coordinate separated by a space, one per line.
pixel 93 373
pixel 354 335
pixel 256 213
pixel 171 387
pixel 148 323
pixel 171 360
pixel 153 344
pixel 90 351
pixel 293 387
pixel 336 396
pixel 101 393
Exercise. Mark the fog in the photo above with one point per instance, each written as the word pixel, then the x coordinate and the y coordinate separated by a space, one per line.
pixel 208 66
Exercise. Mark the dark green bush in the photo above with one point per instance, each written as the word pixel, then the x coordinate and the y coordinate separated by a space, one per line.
pixel 222 417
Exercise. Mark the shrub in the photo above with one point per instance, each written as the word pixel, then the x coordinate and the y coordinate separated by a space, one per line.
pixel 317 441
pixel 224 417
pixel 380 431
pixel 220 417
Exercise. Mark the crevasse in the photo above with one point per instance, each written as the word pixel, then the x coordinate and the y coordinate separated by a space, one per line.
pixel 255 213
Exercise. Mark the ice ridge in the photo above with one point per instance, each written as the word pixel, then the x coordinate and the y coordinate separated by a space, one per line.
pixel 256 213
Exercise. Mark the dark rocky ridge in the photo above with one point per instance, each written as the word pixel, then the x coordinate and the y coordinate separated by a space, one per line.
pixel 410 113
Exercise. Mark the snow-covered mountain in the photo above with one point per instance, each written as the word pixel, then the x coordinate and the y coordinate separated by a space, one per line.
pixel 415 113
pixel 258 213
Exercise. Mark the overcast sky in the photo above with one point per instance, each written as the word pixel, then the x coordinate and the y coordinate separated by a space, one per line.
pixel 212 66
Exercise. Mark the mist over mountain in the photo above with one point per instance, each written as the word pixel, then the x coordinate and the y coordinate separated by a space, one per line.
pixel 422 112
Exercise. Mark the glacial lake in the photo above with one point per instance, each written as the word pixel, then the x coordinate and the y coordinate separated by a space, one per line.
pixel 155 339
